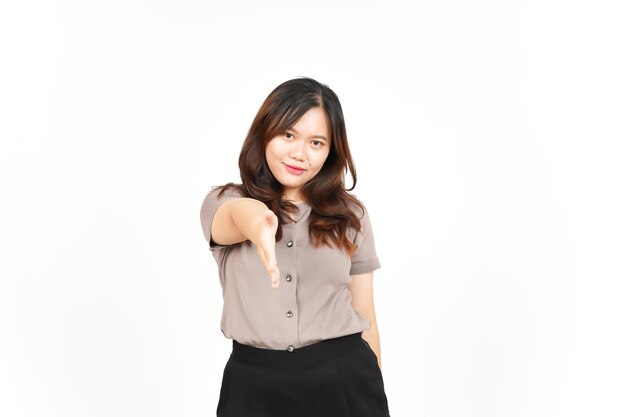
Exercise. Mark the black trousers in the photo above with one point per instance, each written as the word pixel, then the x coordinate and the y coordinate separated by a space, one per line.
pixel 333 378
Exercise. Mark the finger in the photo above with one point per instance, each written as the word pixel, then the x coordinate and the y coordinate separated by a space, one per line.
pixel 272 267
pixel 267 252
pixel 275 277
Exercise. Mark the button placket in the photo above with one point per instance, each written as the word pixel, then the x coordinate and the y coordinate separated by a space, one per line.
pixel 292 263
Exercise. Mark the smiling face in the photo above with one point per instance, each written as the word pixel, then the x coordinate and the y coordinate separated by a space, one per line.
pixel 296 156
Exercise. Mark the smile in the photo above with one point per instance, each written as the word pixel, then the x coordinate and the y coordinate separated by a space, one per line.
pixel 294 170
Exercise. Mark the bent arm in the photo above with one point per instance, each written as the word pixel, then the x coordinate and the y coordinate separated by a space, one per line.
pixel 238 220
pixel 362 290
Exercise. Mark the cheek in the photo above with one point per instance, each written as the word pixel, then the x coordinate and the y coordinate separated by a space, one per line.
pixel 268 155
pixel 274 150
pixel 271 153
pixel 320 159
pixel 273 158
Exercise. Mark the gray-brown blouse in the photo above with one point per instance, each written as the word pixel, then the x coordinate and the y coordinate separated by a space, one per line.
pixel 312 302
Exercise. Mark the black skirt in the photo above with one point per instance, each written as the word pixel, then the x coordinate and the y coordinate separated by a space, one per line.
pixel 333 378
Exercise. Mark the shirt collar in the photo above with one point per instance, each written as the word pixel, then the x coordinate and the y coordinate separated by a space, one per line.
pixel 303 210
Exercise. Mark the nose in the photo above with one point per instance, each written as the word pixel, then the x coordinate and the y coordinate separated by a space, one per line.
pixel 297 150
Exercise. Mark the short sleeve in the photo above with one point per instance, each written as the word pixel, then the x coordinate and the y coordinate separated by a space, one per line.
pixel 364 258
pixel 207 212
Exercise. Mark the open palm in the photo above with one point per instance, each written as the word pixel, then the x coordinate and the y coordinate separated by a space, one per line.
pixel 266 247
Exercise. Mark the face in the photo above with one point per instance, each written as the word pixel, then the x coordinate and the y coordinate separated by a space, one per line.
pixel 297 155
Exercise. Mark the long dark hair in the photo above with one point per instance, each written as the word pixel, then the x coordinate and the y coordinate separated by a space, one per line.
pixel 332 207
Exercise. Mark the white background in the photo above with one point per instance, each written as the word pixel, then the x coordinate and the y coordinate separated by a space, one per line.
pixel 488 138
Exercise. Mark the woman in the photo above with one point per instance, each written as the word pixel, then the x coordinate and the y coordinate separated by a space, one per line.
pixel 305 343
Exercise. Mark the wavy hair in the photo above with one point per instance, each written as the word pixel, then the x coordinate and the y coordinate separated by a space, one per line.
pixel 332 207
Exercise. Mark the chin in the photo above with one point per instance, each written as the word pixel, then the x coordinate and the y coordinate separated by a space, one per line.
pixel 291 185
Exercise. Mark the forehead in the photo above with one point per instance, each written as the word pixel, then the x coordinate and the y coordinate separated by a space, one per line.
pixel 314 122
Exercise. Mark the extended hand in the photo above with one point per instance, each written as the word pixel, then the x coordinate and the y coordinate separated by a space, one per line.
pixel 266 247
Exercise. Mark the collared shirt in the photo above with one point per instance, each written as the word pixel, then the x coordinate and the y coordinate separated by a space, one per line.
pixel 312 302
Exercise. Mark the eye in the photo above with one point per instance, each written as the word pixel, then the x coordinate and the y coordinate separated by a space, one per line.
pixel 288 135
pixel 317 143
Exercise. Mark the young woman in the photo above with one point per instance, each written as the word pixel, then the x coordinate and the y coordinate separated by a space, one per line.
pixel 296 255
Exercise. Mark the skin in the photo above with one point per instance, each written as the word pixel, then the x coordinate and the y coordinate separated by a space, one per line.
pixel 362 289
pixel 306 146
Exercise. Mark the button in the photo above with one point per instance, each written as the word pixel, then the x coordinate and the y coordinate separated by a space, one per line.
pixel 289 244
pixel 290 348
pixel 289 314
pixel 288 278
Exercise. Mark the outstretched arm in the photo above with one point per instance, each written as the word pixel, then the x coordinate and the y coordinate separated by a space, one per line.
pixel 362 290
pixel 242 219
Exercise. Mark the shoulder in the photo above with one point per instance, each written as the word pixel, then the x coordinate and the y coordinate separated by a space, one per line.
pixel 218 195
pixel 213 200
pixel 364 259
pixel 222 193
pixel 227 190
pixel 357 206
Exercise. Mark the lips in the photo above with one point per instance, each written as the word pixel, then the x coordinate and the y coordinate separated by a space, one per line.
pixel 294 169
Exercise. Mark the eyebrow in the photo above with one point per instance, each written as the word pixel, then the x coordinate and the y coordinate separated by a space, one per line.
pixel 315 136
